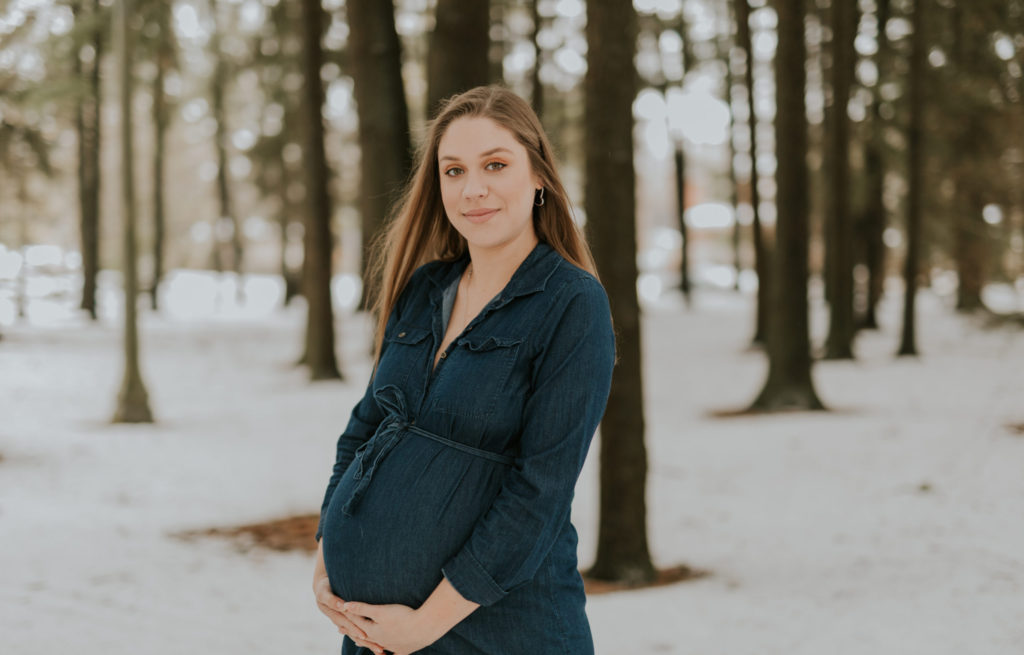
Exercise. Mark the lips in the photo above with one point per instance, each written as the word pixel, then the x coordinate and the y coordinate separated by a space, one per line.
pixel 479 215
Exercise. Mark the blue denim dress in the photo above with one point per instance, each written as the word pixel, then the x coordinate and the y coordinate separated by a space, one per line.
pixel 467 470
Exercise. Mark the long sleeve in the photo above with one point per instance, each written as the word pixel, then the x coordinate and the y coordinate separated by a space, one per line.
pixel 362 423
pixel 571 382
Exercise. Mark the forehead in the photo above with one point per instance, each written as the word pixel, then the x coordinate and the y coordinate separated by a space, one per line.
pixel 470 136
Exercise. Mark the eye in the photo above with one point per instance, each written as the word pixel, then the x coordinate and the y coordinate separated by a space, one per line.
pixel 495 166
pixel 453 171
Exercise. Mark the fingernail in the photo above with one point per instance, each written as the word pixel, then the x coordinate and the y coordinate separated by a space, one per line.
pixel 345 607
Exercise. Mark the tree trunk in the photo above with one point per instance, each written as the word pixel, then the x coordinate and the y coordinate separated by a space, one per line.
pixel 761 254
pixel 320 354
pixel 376 56
pixel 839 344
pixel 789 385
pixel 875 222
pixel 970 252
pixel 724 45
pixel 163 62
pixel 459 50
pixel 915 175
pixel 133 400
pixel 684 264
pixel 227 224
pixel 87 124
pixel 609 88
pixel 537 88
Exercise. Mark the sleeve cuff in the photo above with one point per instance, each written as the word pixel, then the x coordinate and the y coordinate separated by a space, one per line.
pixel 470 579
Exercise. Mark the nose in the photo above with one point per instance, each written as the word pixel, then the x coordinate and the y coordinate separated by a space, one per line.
pixel 474 186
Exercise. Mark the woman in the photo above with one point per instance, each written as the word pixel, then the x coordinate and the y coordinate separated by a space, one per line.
pixel 445 526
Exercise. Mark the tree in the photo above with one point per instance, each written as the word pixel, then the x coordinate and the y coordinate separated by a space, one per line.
pixel 875 164
pixel 227 221
pixel 609 88
pixel 459 49
pixel 761 255
pixel 320 356
pixel 789 385
pixel 165 60
pixel 133 400
pixel 88 127
pixel 915 169
pixel 386 158
pixel 839 344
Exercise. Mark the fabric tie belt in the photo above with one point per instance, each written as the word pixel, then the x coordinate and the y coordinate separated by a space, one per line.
pixel 393 428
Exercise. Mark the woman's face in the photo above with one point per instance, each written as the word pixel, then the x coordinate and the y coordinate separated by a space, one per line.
pixel 487 185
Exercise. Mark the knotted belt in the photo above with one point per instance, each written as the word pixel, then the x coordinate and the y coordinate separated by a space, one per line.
pixel 393 428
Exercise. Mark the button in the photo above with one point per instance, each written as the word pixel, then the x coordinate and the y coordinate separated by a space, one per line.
pixel 401 335
pixel 469 328
pixel 444 355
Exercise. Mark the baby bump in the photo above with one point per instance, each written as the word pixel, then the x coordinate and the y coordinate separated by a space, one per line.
pixel 416 513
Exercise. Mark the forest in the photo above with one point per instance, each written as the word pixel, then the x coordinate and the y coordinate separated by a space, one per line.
pixel 808 216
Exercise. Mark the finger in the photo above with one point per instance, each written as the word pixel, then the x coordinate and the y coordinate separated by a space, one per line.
pixel 369 644
pixel 361 609
pixel 363 623
pixel 343 622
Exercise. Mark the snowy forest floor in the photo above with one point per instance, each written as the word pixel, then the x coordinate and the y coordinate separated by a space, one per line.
pixel 890 525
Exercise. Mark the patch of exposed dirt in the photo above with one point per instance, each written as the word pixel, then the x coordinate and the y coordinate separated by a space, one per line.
pixel 662 577
pixel 1016 429
pixel 296 533
pixel 287 534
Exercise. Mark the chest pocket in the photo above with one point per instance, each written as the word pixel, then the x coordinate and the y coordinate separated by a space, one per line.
pixel 404 347
pixel 476 375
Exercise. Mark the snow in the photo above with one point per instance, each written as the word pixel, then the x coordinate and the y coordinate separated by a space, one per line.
pixel 891 525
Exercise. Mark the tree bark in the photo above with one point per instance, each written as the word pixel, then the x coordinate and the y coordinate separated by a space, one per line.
pixel 537 88
pixel 376 56
pixel 320 354
pixel 875 220
pixel 839 344
pixel 160 119
pixel 915 179
pixel 459 50
pixel 725 45
pixel 87 124
pixel 227 223
pixel 761 255
pixel 789 385
pixel 609 88
pixel 133 400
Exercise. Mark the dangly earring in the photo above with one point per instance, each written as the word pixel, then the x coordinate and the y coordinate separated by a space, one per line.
pixel 539 199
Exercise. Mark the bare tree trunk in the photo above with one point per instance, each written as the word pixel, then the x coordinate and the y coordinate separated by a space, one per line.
pixel 874 228
pixel 761 255
pixel 839 344
pixel 227 226
pixel 376 56
pixel 459 50
pixel 609 87
pixel 915 175
pixel 970 251
pixel 537 89
pixel 725 45
pixel 87 124
pixel 133 400
pixel 320 354
pixel 163 62
pixel 789 385
pixel 679 159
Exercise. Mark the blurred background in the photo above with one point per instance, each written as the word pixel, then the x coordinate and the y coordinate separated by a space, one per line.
pixel 770 188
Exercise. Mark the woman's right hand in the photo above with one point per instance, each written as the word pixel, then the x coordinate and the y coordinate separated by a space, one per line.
pixel 331 605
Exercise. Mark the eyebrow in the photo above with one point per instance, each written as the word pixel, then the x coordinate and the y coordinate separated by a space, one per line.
pixel 482 154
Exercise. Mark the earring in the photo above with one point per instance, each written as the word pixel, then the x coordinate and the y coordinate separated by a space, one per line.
pixel 539 199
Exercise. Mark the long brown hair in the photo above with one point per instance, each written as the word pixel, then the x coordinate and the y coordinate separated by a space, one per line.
pixel 419 231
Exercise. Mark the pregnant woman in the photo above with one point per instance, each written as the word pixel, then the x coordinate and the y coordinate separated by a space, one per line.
pixel 445 525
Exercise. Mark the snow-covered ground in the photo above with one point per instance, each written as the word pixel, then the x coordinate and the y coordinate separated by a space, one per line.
pixel 892 525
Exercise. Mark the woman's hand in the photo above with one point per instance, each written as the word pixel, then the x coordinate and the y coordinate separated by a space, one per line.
pixel 398 628
pixel 332 606
pixel 404 630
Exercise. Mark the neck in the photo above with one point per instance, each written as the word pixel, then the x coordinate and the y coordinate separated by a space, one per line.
pixel 494 267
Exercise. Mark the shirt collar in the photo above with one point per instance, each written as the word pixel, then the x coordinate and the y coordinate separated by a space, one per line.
pixel 531 276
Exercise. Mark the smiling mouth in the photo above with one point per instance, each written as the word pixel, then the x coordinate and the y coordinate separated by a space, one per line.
pixel 479 215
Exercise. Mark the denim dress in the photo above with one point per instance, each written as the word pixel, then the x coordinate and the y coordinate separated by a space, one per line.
pixel 466 470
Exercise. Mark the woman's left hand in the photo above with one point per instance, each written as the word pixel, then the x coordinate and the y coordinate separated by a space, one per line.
pixel 397 628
